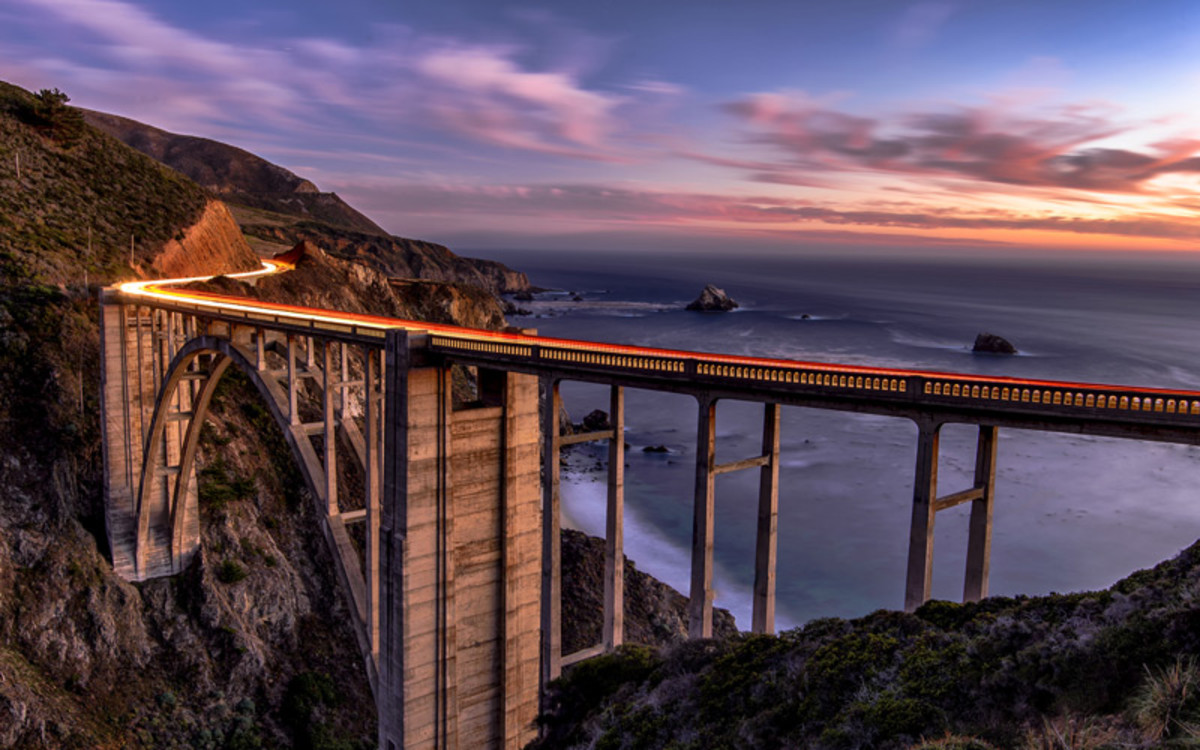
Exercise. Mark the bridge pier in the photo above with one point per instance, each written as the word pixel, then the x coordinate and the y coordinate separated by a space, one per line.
pixel 700 604
pixel 926 505
pixel 460 562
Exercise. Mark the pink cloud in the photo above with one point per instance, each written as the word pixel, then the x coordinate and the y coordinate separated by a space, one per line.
pixel 483 93
pixel 1058 149
pixel 399 82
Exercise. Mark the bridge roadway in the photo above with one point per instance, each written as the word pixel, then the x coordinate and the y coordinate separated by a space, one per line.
pixel 424 466
pixel 1060 406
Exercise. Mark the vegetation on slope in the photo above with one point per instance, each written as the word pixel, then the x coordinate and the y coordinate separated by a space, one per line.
pixel 234 174
pixel 1112 668
pixel 80 196
pixel 207 659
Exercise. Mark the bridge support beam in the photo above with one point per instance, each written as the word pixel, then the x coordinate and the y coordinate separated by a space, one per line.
pixel 763 617
pixel 700 605
pixel 460 561
pixel 926 505
pixel 920 540
pixel 979 543
pixel 614 531
pixel 551 620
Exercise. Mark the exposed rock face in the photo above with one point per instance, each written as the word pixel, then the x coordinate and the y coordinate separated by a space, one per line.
pixel 655 613
pixel 463 304
pixel 233 173
pixel 213 243
pixel 990 343
pixel 713 299
pixel 321 280
pixel 397 257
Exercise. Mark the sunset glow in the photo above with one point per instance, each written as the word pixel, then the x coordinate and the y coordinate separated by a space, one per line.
pixel 787 125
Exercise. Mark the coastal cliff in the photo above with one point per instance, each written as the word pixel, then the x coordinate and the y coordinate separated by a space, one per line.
pixel 249 647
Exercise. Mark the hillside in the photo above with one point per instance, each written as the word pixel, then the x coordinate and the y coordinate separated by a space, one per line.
pixel 277 209
pixel 1108 669
pixel 236 175
pixel 81 197
pixel 249 647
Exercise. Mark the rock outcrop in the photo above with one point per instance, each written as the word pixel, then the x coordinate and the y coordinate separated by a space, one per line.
pixel 396 257
pixel 989 343
pixel 655 613
pixel 213 242
pixel 713 299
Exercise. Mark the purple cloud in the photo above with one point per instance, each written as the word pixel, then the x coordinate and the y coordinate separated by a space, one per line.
pixel 976 143
pixel 139 65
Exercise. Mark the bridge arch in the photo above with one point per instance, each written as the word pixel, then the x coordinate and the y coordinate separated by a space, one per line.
pixel 170 402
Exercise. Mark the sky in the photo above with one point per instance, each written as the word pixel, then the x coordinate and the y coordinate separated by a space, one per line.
pixel 700 124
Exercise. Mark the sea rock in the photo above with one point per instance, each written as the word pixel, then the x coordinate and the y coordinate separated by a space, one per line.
pixel 596 420
pixel 989 343
pixel 713 299
pixel 523 296
pixel 656 449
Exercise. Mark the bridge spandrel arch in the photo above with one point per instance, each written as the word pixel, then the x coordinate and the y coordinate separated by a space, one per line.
pixel 173 485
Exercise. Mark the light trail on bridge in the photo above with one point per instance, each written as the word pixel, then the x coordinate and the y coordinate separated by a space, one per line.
pixel 1121 402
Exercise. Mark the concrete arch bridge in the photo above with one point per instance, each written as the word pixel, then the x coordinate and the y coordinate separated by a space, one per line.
pixel 456 594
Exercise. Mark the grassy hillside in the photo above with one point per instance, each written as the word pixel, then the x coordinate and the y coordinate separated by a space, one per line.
pixel 1109 669
pixel 238 176
pixel 207 659
pixel 80 196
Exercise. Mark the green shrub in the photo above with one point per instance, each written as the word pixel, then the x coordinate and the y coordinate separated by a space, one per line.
pixel 230 571
pixel 1167 700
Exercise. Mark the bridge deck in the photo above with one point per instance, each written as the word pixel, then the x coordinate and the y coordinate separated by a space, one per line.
pixel 1088 408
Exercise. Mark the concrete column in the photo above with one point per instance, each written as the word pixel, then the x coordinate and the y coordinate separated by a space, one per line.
pixel 701 603
pixel 392 518
pixel 416 688
pixel 142 374
pixel 763 619
pixel 293 412
pixel 522 564
pixel 260 353
pixel 328 401
pixel 979 541
pixel 551 404
pixel 120 453
pixel 614 536
pixel 344 402
pixel 372 403
pixel 920 542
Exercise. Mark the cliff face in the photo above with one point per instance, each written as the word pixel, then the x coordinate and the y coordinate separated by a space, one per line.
pixel 213 242
pixel 395 256
pixel 215 657
pixel 655 613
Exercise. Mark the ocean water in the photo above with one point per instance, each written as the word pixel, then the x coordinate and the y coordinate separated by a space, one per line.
pixel 1072 513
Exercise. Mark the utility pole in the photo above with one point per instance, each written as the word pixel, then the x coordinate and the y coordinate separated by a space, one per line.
pixel 17 156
